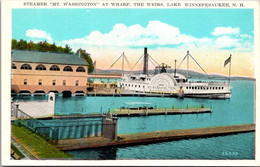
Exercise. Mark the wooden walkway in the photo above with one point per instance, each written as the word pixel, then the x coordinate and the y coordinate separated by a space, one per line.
pixel 159 111
pixel 158 136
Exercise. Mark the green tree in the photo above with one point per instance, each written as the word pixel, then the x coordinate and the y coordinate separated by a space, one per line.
pixel 22 45
pixel 14 44
pixel 88 59
pixel 53 48
pixel 67 49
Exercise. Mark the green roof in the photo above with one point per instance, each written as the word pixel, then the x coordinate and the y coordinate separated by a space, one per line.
pixel 47 57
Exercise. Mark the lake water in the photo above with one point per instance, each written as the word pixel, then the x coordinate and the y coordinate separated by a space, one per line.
pixel 237 110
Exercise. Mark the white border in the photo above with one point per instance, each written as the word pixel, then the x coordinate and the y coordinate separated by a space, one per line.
pixel 6 28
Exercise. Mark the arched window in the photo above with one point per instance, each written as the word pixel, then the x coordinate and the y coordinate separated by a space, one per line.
pixel 55 68
pixel 26 67
pixel 40 67
pixel 14 66
pixel 67 68
pixel 80 69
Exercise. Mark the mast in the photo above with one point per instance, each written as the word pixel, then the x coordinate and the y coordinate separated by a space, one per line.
pixel 188 64
pixel 175 67
pixel 123 62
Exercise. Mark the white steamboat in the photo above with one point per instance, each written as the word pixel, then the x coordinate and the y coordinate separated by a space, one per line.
pixel 173 84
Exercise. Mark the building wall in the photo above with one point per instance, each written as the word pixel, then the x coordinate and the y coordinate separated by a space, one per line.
pixel 47 78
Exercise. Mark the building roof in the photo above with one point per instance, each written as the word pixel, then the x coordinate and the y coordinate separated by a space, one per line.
pixel 47 57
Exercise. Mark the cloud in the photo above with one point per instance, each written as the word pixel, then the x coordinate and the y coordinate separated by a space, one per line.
pixel 225 31
pixel 225 42
pixel 160 34
pixel 156 33
pixel 39 34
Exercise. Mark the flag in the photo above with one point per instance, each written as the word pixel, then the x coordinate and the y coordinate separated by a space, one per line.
pixel 227 61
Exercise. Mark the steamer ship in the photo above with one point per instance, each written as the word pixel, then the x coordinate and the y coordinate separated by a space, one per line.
pixel 163 82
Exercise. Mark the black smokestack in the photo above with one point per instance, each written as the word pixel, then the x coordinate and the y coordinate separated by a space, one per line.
pixel 145 69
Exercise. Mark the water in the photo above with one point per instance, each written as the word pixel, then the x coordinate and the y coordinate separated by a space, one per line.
pixel 237 110
pixel 239 146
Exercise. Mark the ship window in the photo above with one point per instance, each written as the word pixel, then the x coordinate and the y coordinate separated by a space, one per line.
pixel 187 87
pixel 139 86
pixel 40 67
pixel 192 87
pixel 222 87
pixel 207 88
pixel 143 86
pixel 135 85
pixel 26 67
pixel 54 68
pixel 219 88
pixel 213 88
pixel 132 85
pixel 195 87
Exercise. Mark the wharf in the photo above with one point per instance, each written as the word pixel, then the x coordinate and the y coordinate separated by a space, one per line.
pixel 149 137
pixel 121 93
pixel 159 111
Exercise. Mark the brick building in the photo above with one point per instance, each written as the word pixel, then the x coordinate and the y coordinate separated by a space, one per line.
pixel 35 72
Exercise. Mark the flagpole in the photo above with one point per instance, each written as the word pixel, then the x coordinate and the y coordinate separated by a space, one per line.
pixel 230 67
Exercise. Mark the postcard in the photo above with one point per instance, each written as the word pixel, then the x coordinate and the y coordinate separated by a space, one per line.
pixel 129 82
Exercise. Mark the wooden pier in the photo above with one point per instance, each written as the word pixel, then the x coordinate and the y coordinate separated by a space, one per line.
pixel 159 111
pixel 149 137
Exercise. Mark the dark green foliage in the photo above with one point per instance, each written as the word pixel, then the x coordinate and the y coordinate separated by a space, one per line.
pixel 42 46
pixel 89 61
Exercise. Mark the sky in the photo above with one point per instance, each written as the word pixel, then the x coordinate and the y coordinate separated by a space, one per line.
pixel 210 35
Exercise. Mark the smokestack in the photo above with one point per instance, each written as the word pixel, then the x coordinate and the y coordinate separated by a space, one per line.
pixel 145 69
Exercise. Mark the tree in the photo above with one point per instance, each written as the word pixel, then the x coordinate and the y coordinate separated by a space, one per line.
pixel 22 45
pixel 87 58
pixel 14 44
pixel 67 49
pixel 53 48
